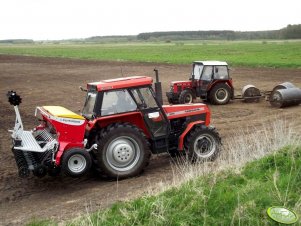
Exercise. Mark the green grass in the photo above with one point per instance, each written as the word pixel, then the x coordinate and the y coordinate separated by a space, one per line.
pixel 228 198
pixel 36 222
pixel 280 54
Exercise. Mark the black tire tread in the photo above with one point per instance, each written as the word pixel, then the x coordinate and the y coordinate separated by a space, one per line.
pixel 183 94
pixel 103 137
pixel 189 139
pixel 67 154
pixel 212 98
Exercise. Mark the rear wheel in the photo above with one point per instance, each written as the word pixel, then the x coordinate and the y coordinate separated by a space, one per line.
pixel 123 150
pixel 76 162
pixel 186 97
pixel 203 144
pixel 220 94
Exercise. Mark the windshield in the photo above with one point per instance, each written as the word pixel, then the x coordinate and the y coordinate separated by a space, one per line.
pixel 88 110
pixel 197 71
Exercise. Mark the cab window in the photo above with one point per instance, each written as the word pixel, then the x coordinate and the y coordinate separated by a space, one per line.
pixel 118 101
pixel 221 72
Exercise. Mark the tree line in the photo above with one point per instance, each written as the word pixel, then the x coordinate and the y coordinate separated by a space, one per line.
pixel 289 32
pixel 17 41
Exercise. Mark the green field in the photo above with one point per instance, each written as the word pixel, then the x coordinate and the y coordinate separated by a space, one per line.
pixel 278 54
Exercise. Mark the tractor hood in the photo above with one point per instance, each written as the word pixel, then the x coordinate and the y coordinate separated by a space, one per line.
pixel 180 83
pixel 188 110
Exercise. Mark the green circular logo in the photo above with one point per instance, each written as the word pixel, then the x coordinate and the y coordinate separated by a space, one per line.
pixel 282 215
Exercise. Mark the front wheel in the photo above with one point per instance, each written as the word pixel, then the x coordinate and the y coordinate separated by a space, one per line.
pixel 186 97
pixel 203 144
pixel 220 94
pixel 123 151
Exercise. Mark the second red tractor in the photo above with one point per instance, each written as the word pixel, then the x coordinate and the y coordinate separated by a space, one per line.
pixel 209 80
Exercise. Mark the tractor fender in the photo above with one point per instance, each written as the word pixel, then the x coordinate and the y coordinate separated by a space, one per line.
pixel 63 147
pixel 228 83
pixel 186 131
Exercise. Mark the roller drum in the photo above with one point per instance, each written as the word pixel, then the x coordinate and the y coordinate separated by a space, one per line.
pixel 285 97
pixel 250 93
pixel 285 85
pixel 21 163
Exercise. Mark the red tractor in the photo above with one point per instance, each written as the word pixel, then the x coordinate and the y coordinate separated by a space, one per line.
pixel 121 125
pixel 209 80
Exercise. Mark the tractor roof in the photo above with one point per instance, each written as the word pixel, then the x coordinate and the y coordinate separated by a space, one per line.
pixel 120 83
pixel 211 63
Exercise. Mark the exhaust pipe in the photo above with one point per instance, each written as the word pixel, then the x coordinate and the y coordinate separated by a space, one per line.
pixel 158 87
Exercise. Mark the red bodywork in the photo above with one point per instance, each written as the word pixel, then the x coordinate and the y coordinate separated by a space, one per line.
pixel 171 111
pixel 187 110
pixel 121 83
pixel 179 86
pixel 70 131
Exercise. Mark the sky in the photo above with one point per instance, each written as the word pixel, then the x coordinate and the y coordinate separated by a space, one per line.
pixel 66 19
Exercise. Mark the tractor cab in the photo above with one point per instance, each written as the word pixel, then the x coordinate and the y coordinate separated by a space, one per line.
pixel 206 74
pixel 210 70
pixel 129 99
pixel 209 80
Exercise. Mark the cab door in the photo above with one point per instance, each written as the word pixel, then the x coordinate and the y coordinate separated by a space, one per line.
pixel 205 81
pixel 153 115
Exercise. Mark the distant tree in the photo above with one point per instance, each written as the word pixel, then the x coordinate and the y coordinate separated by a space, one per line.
pixel 17 41
pixel 291 32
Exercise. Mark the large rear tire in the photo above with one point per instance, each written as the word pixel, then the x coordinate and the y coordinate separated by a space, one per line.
pixel 220 94
pixel 123 151
pixel 203 144
pixel 76 162
pixel 186 97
